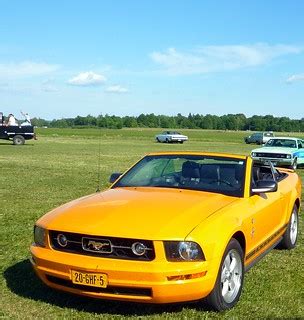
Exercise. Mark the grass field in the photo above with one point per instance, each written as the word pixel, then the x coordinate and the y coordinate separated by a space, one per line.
pixel 62 165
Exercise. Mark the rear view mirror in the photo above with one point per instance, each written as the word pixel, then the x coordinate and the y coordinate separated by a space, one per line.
pixel 263 186
pixel 114 176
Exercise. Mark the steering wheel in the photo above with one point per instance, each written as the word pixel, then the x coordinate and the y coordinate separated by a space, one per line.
pixel 222 181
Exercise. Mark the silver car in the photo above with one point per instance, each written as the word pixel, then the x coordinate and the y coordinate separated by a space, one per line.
pixel 171 136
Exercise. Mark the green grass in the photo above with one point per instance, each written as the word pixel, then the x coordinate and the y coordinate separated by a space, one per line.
pixel 62 165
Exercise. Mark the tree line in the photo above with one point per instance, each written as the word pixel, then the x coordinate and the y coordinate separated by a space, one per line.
pixel 192 121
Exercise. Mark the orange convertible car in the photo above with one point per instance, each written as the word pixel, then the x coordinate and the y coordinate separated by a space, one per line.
pixel 175 227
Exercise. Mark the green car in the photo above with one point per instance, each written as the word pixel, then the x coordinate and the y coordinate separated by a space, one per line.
pixel 281 151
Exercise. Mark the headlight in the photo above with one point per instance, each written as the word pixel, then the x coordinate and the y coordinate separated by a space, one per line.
pixel 253 154
pixel 183 251
pixel 288 156
pixel 39 236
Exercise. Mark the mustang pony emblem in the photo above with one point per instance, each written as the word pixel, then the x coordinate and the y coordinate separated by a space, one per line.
pixel 96 245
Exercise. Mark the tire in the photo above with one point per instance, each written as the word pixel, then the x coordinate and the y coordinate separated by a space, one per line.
pixel 167 140
pixel 229 282
pixel 181 142
pixel 290 236
pixel 18 140
pixel 157 140
pixel 294 164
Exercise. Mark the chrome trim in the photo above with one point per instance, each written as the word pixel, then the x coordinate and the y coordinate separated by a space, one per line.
pixel 98 245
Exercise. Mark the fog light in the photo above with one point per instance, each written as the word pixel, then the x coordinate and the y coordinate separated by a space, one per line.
pixel 138 248
pixel 62 240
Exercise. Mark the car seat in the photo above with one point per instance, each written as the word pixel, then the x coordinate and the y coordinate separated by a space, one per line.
pixel 190 173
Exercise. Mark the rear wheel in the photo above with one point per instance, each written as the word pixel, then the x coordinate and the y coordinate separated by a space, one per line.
pixel 18 140
pixel 290 236
pixel 229 282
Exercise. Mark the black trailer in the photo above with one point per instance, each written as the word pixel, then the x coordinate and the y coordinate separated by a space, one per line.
pixel 16 133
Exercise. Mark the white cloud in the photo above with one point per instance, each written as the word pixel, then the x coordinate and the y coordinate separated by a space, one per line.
pixel 26 69
pixel 208 59
pixel 116 89
pixel 87 79
pixel 295 78
pixel 49 86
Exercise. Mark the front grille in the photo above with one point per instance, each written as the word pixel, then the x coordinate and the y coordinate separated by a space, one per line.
pixel 121 248
pixel 116 290
pixel 271 155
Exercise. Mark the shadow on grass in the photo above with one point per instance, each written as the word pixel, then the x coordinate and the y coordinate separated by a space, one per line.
pixel 21 280
pixel 10 143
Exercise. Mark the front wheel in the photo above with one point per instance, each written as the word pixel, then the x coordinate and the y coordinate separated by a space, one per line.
pixel 294 164
pixel 229 282
pixel 290 236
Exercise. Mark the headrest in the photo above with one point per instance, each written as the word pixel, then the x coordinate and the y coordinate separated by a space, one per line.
pixel 256 173
pixel 239 172
pixel 190 169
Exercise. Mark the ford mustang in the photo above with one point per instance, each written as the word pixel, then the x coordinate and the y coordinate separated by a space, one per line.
pixel 174 227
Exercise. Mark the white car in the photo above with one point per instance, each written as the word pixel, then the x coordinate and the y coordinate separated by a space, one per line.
pixel 171 136
pixel 281 151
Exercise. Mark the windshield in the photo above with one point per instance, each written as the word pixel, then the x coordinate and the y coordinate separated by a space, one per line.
pixel 203 173
pixel 285 143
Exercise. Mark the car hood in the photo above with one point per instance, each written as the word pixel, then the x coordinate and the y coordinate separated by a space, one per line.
pixel 144 213
pixel 274 150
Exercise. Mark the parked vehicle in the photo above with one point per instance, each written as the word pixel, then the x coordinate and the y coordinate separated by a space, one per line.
pixel 282 151
pixel 18 134
pixel 259 137
pixel 171 136
pixel 175 227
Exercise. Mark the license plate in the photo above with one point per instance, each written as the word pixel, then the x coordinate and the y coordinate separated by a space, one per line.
pixel 90 279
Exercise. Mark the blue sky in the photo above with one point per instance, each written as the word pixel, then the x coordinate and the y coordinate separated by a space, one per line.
pixel 67 58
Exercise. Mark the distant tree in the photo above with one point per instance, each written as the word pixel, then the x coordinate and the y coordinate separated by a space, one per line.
pixel 38 122
pixel 61 123
pixel 224 122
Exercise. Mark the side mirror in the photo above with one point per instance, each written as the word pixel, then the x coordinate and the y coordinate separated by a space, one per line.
pixel 114 176
pixel 263 186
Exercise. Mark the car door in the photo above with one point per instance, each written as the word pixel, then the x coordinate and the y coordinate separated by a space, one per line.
pixel 299 154
pixel 162 137
pixel 265 220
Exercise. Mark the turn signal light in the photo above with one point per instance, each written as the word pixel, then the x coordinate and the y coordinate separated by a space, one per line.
pixel 187 276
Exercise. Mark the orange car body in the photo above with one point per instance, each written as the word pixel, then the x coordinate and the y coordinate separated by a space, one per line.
pixel 258 221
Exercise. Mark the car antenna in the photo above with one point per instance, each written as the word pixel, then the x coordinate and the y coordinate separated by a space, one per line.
pixel 99 160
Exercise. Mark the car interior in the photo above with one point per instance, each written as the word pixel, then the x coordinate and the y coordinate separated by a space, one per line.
pixel 217 177
pixel 262 172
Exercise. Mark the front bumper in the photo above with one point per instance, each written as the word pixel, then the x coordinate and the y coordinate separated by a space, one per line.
pixel 275 161
pixel 127 280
